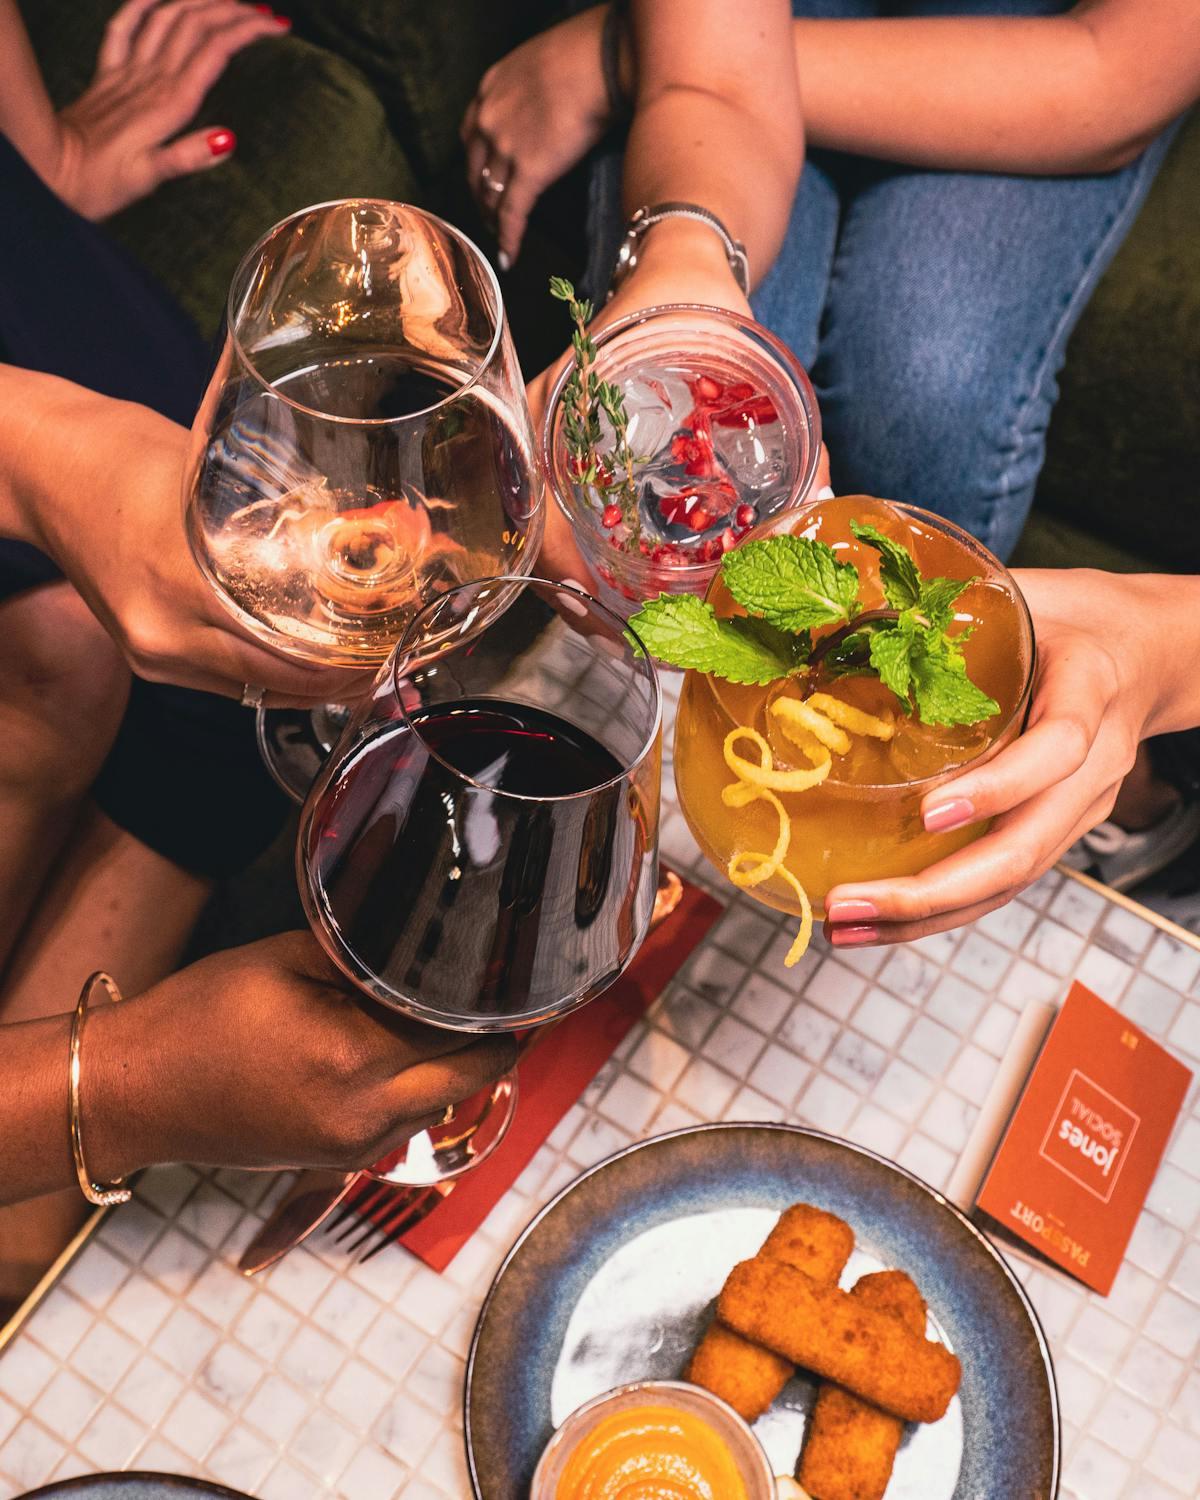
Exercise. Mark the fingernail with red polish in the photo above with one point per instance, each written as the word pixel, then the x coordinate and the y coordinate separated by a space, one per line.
pixel 949 815
pixel 221 142
pixel 851 910
pixel 853 937
pixel 283 20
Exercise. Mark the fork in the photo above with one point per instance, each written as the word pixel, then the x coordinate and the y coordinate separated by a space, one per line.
pixel 406 1210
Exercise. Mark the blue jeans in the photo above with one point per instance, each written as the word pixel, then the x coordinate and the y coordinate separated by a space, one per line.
pixel 932 309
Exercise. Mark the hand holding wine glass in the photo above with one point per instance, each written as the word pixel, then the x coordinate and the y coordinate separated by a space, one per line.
pixel 480 850
pixel 258 1057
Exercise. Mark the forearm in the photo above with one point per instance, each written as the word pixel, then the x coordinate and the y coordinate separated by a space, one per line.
pixel 27 117
pixel 1075 93
pixel 686 147
pixel 44 423
pixel 35 1155
pixel 60 446
pixel 1168 612
pixel 718 126
pixel 121 1095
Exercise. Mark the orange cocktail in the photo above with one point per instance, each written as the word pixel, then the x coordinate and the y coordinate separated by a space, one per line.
pixel 862 821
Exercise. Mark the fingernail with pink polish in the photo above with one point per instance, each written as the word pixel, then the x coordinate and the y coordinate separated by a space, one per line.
pixel 221 142
pixel 504 260
pixel 853 937
pixel 851 910
pixel 949 815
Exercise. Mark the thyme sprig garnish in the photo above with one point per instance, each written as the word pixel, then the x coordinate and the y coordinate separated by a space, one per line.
pixel 585 397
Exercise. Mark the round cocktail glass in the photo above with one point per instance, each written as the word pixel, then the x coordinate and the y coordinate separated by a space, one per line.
pixel 864 821
pixel 725 428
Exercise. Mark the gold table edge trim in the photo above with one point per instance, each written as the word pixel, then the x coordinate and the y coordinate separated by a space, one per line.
pixel 1119 898
pixel 25 1311
pixel 51 1275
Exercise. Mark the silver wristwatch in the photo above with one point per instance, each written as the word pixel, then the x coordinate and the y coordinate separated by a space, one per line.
pixel 646 217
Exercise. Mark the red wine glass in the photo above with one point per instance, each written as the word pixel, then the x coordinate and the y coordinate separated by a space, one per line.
pixel 480 849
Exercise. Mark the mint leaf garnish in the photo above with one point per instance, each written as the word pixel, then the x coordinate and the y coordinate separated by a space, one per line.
pixel 681 629
pixel 891 656
pixel 936 599
pixel 921 662
pixel 948 697
pixel 943 691
pixel 792 582
pixel 794 648
pixel 851 657
pixel 897 571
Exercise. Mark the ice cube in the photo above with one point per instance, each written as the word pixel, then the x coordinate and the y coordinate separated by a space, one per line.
pixel 919 750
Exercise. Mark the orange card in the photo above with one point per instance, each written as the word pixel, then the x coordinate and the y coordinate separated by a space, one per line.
pixel 1084 1143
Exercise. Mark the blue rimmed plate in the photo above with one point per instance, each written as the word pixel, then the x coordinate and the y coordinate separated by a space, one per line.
pixel 614 1281
pixel 133 1486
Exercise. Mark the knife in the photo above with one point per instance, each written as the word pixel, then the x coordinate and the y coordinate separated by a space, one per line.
pixel 305 1207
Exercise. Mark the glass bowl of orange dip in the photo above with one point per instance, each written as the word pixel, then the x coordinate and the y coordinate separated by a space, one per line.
pixel 651 1438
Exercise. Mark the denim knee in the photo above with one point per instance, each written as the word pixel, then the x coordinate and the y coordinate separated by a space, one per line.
pixel 935 426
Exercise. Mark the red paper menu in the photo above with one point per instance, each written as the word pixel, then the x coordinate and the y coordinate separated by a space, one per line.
pixel 1081 1151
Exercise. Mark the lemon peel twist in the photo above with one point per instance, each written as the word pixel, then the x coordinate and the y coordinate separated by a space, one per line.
pixel 822 725
pixel 849 717
pixel 793 714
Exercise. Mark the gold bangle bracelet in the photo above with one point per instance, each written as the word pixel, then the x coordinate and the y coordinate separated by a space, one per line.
pixel 102 1195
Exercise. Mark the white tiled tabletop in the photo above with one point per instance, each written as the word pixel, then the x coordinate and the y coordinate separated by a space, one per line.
pixel 327 1379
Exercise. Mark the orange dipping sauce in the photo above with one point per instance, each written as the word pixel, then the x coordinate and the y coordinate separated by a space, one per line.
pixel 651 1453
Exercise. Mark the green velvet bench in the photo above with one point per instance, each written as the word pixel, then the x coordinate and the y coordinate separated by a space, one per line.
pixel 364 98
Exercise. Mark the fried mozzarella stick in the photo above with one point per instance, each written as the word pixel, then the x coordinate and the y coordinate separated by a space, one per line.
pixel 744 1374
pixel 851 1445
pixel 827 1331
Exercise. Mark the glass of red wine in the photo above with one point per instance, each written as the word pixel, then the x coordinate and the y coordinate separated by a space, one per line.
pixel 480 849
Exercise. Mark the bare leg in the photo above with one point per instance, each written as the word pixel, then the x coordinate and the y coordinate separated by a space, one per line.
pixel 63 687
pixel 1143 799
pixel 109 901
pixel 112 904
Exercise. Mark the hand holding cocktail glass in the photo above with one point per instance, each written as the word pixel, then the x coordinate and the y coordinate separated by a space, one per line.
pixel 850 658
pixel 1115 664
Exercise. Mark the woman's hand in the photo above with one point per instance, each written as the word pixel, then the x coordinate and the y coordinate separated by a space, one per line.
pixel 535 114
pixel 120 139
pixel 98 486
pixel 264 1056
pixel 1112 660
